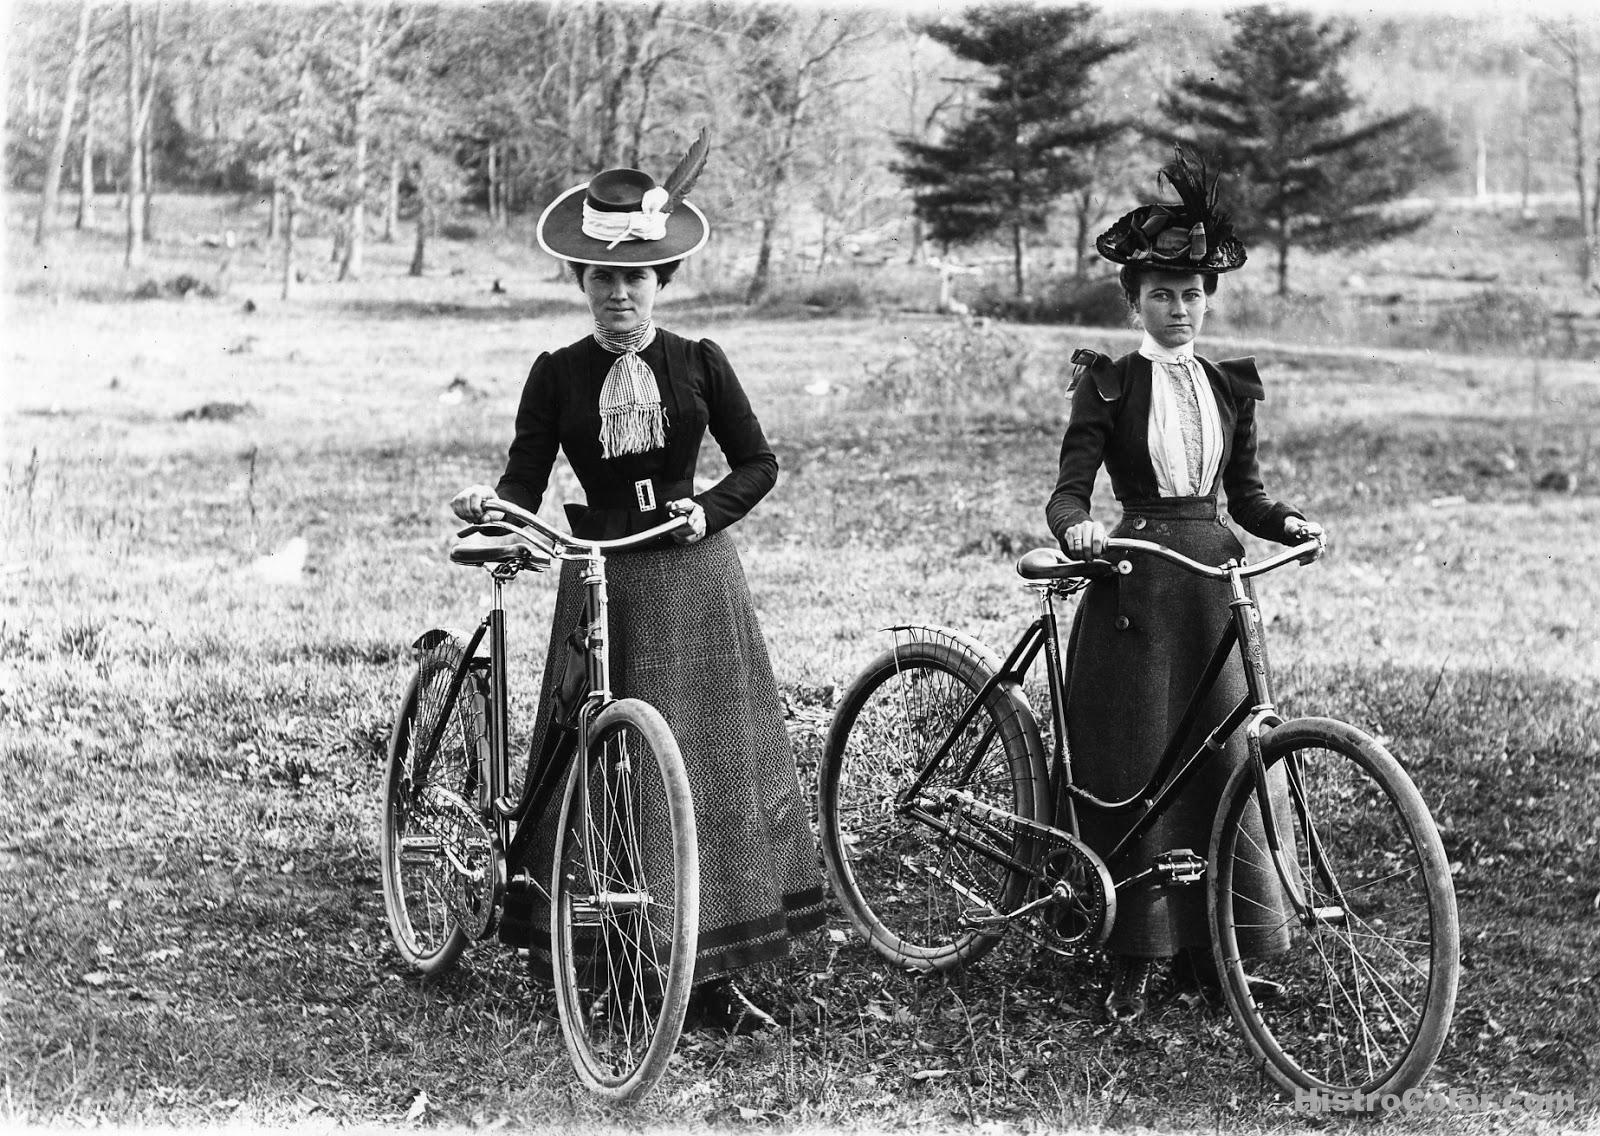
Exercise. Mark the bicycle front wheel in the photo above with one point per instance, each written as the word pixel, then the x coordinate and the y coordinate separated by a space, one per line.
pixel 920 895
pixel 1363 972
pixel 436 867
pixel 626 902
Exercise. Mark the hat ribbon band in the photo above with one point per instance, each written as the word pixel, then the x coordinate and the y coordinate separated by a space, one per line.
pixel 614 228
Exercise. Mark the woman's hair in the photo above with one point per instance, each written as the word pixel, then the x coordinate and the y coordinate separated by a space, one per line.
pixel 664 272
pixel 1132 274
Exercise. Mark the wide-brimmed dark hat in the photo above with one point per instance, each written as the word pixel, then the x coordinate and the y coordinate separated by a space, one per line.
pixel 622 217
pixel 1193 235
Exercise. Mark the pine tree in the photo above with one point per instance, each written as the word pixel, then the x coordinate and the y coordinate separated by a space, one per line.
pixel 1016 153
pixel 1276 117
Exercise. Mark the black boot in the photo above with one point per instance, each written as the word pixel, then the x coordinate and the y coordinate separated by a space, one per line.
pixel 721 1006
pixel 1130 987
pixel 1198 971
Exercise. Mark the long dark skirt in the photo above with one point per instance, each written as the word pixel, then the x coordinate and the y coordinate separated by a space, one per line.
pixel 1139 645
pixel 685 638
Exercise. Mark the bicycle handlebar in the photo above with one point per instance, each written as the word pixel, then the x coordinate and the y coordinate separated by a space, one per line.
pixel 1050 563
pixel 562 542
pixel 1304 553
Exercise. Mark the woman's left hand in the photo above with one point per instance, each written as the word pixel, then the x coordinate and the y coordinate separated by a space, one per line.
pixel 1298 530
pixel 688 507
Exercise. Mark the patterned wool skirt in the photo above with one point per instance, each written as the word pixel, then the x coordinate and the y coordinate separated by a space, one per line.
pixel 1139 644
pixel 685 639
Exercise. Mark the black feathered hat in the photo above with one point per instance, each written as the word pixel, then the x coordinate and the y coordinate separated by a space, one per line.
pixel 1193 235
pixel 622 217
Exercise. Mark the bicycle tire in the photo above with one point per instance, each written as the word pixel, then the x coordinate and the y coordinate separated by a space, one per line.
pixel 909 895
pixel 625 902
pixel 1369 986
pixel 422 799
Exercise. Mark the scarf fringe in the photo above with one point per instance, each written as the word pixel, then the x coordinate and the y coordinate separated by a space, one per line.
pixel 632 429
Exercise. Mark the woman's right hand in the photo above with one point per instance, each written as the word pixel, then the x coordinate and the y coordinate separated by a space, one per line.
pixel 1084 540
pixel 468 504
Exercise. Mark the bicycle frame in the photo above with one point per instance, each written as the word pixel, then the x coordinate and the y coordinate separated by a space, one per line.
pixel 1255 712
pixel 548 767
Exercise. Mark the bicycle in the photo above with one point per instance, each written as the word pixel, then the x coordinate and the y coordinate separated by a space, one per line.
pixel 940 830
pixel 623 892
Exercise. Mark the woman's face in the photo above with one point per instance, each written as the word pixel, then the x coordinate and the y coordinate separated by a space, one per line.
pixel 620 298
pixel 1172 306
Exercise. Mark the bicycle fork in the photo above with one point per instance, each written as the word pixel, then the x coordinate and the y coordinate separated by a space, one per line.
pixel 1263 715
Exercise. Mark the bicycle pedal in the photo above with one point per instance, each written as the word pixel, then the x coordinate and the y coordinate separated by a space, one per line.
pixel 984 922
pixel 1180 866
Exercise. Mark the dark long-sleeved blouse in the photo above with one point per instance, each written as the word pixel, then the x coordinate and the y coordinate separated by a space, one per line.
pixel 1110 424
pixel 560 410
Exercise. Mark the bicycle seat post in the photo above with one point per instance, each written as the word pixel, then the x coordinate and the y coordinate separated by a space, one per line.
pixel 594 582
pixel 499 699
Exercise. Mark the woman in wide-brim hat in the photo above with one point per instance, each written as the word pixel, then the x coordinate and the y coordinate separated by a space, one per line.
pixel 1177 434
pixel 629 405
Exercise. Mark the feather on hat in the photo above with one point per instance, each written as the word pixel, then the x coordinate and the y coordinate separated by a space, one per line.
pixel 1193 235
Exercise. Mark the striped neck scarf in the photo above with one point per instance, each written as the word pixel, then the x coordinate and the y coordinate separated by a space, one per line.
pixel 632 420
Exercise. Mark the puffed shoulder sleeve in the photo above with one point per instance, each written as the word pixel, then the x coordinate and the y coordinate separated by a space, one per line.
pixel 752 466
pixel 1243 377
pixel 1096 389
pixel 1248 502
pixel 537 439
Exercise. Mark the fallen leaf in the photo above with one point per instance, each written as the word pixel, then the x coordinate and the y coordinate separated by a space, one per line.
pixel 419 1107
pixel 929 1074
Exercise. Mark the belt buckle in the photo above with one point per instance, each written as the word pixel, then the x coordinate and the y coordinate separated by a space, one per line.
pixel 644 492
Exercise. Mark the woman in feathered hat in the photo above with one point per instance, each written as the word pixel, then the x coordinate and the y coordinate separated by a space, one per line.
pixel 629 404
pixel 1175 432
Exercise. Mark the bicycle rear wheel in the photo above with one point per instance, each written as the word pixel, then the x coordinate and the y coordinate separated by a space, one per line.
pixel 911 891
pixel 626 902
pixel 437 867
pixel 1369 973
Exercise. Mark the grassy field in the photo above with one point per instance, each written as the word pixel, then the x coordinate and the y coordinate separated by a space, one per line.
pixel 191 931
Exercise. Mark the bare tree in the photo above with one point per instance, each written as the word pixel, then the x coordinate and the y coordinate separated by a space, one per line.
pixel 789 68
pixel 1571 49
pixel 143 45
pixel 378 32
pixel 58 150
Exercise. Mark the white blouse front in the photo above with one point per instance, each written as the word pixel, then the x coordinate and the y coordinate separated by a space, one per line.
pixel 1169 454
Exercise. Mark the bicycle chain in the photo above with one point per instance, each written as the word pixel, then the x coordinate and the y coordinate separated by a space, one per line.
pixel 474 872
pixel 1075 900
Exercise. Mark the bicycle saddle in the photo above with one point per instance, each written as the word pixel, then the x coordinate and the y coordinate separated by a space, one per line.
pixel 1051 564
pixel 480 548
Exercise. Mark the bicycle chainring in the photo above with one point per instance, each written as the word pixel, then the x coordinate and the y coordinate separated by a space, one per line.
pixel 1084 906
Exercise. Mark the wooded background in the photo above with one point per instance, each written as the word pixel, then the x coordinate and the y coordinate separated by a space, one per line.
pixel 355 121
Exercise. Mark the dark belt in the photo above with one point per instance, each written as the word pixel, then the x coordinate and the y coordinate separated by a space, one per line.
pixel 643 496
pixel 1136 514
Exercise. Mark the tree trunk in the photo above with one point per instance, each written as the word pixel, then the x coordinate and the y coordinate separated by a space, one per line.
pixel 419 251
pixel 491 179
pixel 350 267
pixel 758 279
pixel 274 211
pixel 391 203
pixel 86 165
pixel 58 149
pixel 147 204
pixel 288 243
pixel 134 254
pixel 1587 217
pixel 1017 267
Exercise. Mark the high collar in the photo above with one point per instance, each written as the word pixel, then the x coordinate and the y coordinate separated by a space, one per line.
pixel 1156 353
